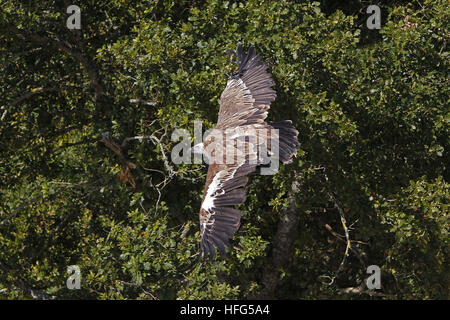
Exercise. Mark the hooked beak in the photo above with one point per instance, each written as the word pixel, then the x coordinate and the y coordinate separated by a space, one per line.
pixel 198 148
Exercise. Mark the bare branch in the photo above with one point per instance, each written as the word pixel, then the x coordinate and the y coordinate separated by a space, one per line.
pixel 144 102
pixel 356 251
pixel 119 150
pixel 144 290
pixel 347 235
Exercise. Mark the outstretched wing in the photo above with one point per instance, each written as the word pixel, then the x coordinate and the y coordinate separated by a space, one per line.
pixel 248 94
pixel 218 221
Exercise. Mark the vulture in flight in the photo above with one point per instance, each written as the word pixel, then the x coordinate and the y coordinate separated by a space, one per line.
pixel 235 148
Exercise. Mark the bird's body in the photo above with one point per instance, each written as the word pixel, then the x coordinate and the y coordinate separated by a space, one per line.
pixel 238 145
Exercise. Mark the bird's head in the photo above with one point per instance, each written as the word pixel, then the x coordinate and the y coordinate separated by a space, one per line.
pixel 198 148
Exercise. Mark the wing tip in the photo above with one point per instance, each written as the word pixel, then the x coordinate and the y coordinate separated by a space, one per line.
pixel 208 250
pixel 242 58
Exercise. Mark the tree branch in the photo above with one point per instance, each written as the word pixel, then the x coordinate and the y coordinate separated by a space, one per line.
pixel 362 289
pixel 19 208
pixel 88 65
pixel 31 93
pixel 347 235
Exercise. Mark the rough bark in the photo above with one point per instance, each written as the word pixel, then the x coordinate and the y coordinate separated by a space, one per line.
pixel 282 247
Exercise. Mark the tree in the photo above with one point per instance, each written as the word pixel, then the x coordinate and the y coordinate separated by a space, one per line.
pixel 369 186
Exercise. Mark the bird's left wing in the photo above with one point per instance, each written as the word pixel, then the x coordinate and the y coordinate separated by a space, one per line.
pixel 248 94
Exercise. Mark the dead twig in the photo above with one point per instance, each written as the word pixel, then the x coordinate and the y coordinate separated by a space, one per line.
pixel 337 206
pixel 356 251
pixel 120 150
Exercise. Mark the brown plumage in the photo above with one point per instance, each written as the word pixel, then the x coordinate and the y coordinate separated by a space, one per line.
pixel 233 149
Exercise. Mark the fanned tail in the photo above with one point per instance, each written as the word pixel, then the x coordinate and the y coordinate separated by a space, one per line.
pixel 288 143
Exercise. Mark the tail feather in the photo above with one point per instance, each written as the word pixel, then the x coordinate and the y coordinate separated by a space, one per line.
pixel 288 143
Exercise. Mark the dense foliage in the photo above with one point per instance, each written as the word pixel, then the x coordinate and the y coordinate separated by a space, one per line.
pixel 371 107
